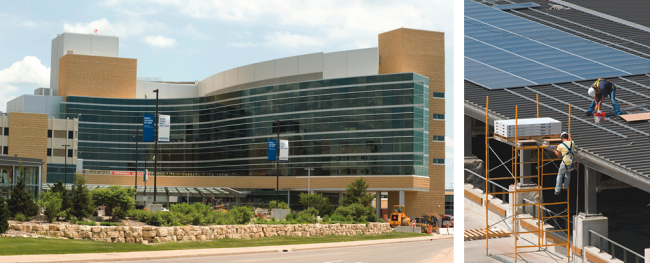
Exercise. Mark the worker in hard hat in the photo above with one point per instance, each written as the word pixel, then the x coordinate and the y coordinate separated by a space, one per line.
pixel 566 152
pixel 599 90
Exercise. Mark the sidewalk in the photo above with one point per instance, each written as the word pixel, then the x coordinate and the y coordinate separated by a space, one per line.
pixel 149 255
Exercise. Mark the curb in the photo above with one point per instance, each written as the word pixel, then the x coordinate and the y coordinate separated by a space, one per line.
pixel 171 254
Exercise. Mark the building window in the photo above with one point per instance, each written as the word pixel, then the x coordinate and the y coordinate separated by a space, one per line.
pixel 59 152
pixel 6 133
pixel 70 135
pixel 69 152
pixel 437 161
pixel 5 150
pixel 49 151
pixel 49 133
pixel 436 116
pixel 438 94
pixel 438 138
pixel 59 134
pixel 449 204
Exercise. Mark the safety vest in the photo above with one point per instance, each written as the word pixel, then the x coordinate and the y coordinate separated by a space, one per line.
pixel 570 156
pixel 597 88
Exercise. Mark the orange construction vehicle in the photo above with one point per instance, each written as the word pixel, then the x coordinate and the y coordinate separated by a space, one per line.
pixel 398 217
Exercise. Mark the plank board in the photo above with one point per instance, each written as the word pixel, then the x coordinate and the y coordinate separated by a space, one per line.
pixel 479 233
pixel 636 117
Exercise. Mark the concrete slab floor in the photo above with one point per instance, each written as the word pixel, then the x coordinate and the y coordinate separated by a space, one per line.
pixel 501 249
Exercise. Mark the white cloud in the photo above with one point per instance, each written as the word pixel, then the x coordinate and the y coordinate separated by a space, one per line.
pixel 29 23
pixel 160 41
pixel 28 73
pixel 130 26
pixel 191 31
pixel 330 23
pixel 28 70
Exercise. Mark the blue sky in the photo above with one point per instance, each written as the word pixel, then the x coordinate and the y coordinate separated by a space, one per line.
pixel 190 40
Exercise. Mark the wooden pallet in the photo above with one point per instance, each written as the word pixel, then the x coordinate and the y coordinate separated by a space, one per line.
pixel 479 233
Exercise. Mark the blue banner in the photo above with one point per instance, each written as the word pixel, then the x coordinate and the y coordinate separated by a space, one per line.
pixel 148 127
pixel 273 149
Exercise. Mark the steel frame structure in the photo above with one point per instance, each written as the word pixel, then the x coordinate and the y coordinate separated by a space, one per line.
pixel 519 145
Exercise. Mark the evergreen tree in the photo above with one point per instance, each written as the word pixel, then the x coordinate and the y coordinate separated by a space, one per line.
pixel 4 216
pixel 67 201
pixel 355 193
pixel 82 203
pixel 22 201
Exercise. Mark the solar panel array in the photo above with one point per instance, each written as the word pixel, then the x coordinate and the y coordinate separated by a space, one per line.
pixel 504 51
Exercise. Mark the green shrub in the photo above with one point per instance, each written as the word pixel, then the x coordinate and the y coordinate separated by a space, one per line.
pixel 22 201
pixel 373 218
pixel 155 219
pixel 118 200
pixel 272 219
pixel 82 204
pixel 317 201
pixel 109 224
pixel 289 217
pixel 4 216
pixel 241 215
pixel 20 217
pixel 274 204
pixel 86 223
pixel 326 219
pixel 51 202
pixel 306 216
pixel 74 220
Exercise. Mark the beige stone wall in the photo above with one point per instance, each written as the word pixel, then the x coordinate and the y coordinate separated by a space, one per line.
pixel 422 52
pixel 264 182
pixel 28 137
pixel 146 234
pixel 96 76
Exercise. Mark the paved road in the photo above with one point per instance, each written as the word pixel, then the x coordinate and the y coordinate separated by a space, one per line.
pixel 409 252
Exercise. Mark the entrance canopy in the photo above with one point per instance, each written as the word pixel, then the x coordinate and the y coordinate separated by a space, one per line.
pixel 223 192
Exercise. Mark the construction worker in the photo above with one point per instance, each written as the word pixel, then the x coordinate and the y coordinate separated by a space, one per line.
pixel 599 90
pixel 565 151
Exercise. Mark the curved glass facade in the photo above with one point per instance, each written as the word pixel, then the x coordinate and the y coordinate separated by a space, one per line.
pixel 372 125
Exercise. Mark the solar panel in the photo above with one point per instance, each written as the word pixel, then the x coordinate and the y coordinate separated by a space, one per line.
pixel 504 51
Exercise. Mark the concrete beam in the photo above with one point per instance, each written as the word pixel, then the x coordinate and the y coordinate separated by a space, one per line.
pixel 590 190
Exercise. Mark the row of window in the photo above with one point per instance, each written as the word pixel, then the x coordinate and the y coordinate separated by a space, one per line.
pixel 60 134
pixel 437 161
pixel 59 152
pixel 6 131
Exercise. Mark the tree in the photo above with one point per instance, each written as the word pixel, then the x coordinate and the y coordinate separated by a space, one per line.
pixel 282 205
pixel 82 203
pixel 117 199
pixel 22 201
pixel 51 202
pixel 318 202
pixel 4 216
pixel 67 201
pixel 355 193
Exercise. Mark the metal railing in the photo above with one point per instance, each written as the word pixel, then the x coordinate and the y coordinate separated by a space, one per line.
pixel 613 246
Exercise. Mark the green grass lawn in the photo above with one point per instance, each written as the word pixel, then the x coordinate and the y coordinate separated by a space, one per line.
pixel 31 246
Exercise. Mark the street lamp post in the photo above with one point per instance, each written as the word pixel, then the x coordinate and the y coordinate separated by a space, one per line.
pixel 277 165
pixel 65 167
pixel 309 179
pixel 155 151
pixel 137 132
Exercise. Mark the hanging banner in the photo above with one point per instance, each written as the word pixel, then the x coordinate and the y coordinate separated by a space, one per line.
pixel 147 127
pixel 284 150
pixel 145 178
pixel 163 128
pixel 273 147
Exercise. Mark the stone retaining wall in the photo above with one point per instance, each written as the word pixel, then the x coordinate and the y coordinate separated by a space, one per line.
pixel 145 234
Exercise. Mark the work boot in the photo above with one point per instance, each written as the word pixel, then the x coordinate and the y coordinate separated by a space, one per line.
pixel 588 114
pixel 557 192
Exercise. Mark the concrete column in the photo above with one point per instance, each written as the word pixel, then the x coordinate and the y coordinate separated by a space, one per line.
pixel 583 224
pixel 647 255
pixel 524 169
pixel 590 190
pixel 340 198
pixel 378 204
pixel 289 198
pixel 401 197
pixel 468 135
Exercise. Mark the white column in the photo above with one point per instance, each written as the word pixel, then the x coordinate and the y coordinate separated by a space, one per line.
pixel 401 197
pixel 647 255
pixel 378 204
pixel 585 223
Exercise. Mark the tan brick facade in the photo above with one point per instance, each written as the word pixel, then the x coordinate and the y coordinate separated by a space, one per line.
pixel 333 183
pixel 96 76
pixel 28 137
pixel 422 52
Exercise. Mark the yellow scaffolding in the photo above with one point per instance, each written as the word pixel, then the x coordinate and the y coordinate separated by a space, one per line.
pixel 518 144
